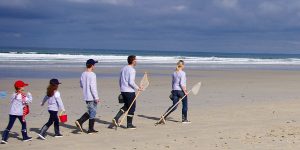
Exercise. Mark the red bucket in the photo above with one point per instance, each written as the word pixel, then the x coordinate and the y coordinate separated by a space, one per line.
pixel 63 117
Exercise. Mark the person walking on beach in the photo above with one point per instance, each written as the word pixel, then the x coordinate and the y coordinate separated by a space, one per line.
pixel 18 110
pixel 178 91
pixel 127 87
pixel 54 104
pixel 88 83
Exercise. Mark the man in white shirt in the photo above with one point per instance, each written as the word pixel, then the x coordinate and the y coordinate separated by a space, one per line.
pixel 127 87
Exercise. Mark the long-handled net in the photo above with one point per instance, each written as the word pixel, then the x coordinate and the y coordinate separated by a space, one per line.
pixel 194 90
pixel 143 84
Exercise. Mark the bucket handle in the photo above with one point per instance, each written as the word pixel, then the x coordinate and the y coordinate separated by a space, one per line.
pixel 62 112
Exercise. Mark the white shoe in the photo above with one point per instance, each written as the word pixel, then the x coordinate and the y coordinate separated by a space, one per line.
pixel 4 142
pixel 186 122
pixel 42 137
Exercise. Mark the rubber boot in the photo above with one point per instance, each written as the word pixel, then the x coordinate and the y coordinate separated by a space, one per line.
pixel 184 118
pixel 115 121
pixel 91 126
pixel 43 131
pixel 5 135
pixel 129 122
pixel 25 136
pixel 80 121
pixel 56 130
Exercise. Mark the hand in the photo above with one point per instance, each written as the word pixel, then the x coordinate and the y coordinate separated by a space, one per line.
pixel 185 92
pixel 141 88
pixel 97 101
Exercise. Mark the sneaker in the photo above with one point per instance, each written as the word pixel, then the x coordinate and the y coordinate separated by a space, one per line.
pixel 27 139
pixel 4 142
pixel 131 126
pixel 92 131
pixel 186 121
pixel 58 135
pixel 79 125
pixel 42 137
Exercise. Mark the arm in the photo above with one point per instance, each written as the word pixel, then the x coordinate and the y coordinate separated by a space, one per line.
pixel 183 83
pixel 59 101
pixel 131 80
pixel 28 98
pixel 93 86
pixel 44 100
pixel 81 82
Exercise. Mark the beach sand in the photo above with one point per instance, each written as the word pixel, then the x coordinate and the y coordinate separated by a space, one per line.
pixel 235 109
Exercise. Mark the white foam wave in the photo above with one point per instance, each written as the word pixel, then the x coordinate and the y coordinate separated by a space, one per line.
pixel 66 58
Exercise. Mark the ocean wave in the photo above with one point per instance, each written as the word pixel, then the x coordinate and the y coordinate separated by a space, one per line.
pixel 68 58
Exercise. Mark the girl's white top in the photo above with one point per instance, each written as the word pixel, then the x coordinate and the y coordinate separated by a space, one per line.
pixel 54 102
pixel 17 105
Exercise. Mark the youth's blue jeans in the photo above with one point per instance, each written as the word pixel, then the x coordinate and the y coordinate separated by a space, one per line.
pixel 92 109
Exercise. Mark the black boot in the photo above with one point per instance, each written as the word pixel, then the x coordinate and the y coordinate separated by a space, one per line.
pixel 25 136
pixel 91 127
pixel 115 121
pixel 43 131
pixel 80 121
pixel 184 118
pixel 56 130
pixel 129 123
pixel 5 135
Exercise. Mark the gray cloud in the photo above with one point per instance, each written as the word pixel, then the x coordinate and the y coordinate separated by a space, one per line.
pixel 204 25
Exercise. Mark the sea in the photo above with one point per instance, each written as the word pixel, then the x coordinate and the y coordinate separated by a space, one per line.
pixel 62 57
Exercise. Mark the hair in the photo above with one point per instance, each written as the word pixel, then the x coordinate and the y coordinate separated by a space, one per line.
pixel 89 65
pixel 51 89
pixel 17 89
pixel 130 59
pixel 180 64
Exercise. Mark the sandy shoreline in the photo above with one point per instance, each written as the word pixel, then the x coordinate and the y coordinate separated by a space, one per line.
pixel 235 109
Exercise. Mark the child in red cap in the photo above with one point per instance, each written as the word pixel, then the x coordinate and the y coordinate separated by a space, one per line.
pixel 18 109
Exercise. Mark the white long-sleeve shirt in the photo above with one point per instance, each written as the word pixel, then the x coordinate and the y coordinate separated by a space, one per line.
pixel 127 79
pixel 16 103
pixel 54 102
pixel 88 83
pixel 178 80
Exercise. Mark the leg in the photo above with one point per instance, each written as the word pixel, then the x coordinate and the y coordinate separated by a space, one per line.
pixel 53 115
pixel 185 109
pixel 115 121
pixel 24 129
pixel 44 129
pixel 5 134
pixel 92 109
pixel 82 119
pixel 131 97
pixel 175 100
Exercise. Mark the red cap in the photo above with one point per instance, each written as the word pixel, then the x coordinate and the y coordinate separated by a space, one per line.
pixel 20 83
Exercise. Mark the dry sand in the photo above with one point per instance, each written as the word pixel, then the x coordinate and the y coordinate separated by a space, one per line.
pixel 235 109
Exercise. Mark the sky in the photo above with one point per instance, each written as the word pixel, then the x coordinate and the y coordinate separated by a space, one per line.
pixel 260 26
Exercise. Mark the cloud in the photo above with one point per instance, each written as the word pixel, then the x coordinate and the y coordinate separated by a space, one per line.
pixel 14 3
pixel 270 7
pixel 227 3
pixel 112 2
pixel 214 25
